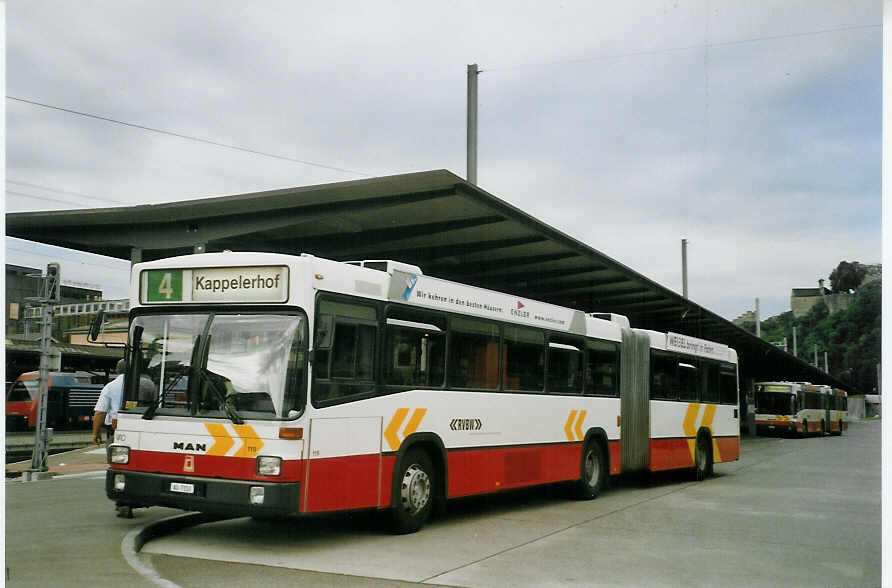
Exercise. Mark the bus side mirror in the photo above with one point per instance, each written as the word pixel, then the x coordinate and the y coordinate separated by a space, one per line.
pixel 96 326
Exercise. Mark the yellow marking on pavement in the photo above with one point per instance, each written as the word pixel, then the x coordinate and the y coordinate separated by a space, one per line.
pixel 567 426
pixel 393 426
pixel 222 439
pixel 251 444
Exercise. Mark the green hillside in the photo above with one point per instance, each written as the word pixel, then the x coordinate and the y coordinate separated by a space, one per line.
pixel 851 337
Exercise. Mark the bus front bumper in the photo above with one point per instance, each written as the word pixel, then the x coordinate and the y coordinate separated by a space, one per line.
pixel 212 495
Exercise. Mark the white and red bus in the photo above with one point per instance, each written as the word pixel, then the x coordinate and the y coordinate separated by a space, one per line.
pixel 839 415
pixel 799 407
pixel 295 385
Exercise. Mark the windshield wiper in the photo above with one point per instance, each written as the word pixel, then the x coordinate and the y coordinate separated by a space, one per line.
pixel 150 412
pixel 215 382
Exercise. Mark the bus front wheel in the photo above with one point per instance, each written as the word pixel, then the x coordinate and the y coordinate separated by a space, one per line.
pixel 703 458
pixel 594 471
pixel 414 494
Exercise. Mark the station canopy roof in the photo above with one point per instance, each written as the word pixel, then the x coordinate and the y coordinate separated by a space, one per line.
pixel 436 220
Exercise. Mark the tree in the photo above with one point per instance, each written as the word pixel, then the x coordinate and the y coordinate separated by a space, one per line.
pixel 847 276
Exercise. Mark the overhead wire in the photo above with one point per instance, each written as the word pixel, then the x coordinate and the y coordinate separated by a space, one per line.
pixel 60 191
pixel 684 47
pixel 187 137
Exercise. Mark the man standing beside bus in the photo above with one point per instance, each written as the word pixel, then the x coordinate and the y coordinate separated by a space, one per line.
pixel 108 404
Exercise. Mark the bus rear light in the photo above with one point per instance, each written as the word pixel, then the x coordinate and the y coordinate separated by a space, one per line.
pixel 256 495
pixel 268 465
pixel 119 454
pixel 115 423
pixel 119 482
pixel 291 432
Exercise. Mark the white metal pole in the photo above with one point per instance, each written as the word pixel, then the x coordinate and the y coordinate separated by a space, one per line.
pixel 758 320
pixel 472 123
pixel 684 268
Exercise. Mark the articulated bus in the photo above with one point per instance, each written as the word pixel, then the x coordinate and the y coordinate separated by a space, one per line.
pixel 800 408
pixel 288 385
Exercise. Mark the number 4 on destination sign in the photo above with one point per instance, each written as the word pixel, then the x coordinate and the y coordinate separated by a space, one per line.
pixel 165 286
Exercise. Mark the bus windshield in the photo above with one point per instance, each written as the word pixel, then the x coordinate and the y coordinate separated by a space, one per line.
pixel 218 365
pixel 775 402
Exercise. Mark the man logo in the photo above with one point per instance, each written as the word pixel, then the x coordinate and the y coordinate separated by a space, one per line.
pixel 189 463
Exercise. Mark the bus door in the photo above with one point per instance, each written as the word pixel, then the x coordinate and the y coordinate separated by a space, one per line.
pixel 343 464
pixel 635 401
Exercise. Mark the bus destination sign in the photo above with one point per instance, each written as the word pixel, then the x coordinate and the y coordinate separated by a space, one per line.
pixel 695 346
pixel 215 284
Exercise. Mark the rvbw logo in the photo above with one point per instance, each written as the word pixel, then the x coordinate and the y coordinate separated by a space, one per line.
pixel 466 424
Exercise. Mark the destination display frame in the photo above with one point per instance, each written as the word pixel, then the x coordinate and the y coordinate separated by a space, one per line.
pixel 215 285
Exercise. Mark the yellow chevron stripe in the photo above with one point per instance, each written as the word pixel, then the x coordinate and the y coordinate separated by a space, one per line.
pixel 393 441
pixel 568 431
pixel 689 426
pixel 222 439
pixel 251 444
pixel 412 426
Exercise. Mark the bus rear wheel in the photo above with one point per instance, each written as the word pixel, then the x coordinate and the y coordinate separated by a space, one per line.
pixel 703 458
pixel 839 429
pixel 414 493
pixel 804 428
pixel 593 470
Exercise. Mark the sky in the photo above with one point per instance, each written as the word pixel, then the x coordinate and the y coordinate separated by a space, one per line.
pixel 752 129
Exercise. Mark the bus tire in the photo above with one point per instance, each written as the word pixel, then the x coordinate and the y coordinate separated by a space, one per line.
pixel 804 428
pixel 414 493
pixel 839 430
pixel 823 428
pixel 593 471
pixel 703 458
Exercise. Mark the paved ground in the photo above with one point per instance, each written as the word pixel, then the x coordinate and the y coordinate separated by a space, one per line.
pixel 776 517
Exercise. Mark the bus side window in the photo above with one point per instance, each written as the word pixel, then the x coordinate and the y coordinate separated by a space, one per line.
pixel 524 351
pixel 473 354
pixel 688 381
pixel 414 349
pixel 709 384
pixel 565 357
pixel 602 369
pixel 728 385
pixel 662 371
pixel 347 368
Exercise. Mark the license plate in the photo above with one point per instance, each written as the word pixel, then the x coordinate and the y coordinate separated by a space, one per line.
pixel 182 488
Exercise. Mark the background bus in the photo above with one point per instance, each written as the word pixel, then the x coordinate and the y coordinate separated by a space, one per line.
pixel 297 385
pixel 799 407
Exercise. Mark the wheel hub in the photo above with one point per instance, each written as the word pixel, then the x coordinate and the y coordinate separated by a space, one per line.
pixel 415 490
pixel 592 468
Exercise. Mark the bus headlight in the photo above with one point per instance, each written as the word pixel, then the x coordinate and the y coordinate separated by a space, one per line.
pixel 119 454
pixel 268 465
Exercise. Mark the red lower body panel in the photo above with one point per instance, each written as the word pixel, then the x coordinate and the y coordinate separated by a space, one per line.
pixel 678 453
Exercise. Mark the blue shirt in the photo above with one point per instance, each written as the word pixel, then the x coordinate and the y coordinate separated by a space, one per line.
pixel 110 399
